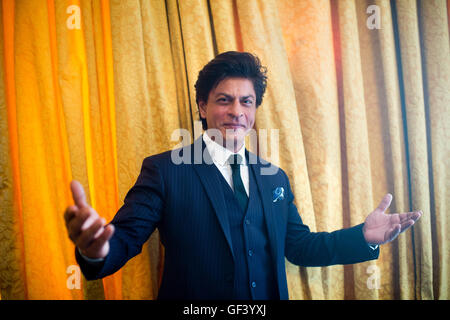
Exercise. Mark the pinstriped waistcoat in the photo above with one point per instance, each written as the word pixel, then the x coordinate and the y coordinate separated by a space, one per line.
pixel 254 274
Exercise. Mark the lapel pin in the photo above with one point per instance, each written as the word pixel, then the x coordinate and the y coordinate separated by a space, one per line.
pixel 278 194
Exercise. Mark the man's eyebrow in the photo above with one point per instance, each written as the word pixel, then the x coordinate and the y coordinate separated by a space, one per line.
pixel 223 94
pixel 230 96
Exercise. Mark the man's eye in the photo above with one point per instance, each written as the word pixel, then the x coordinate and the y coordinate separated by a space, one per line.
pixel 248 101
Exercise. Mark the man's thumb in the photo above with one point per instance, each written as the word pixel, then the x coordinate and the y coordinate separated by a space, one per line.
pixel 78 194
pixel 385 202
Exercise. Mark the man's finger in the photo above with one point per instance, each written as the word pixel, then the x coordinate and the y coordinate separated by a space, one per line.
pixel 385 202
pixel 88 235
pixel 70 213
pixel 104 237
pixel 393 232
pixel 416 215
pixel 78 195
pixel 410 216
pixel 108 231
pixel 75 225
pixel 405 225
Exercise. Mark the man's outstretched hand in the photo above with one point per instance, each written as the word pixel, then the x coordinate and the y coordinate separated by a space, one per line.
pixel 380 227
pixel 86 228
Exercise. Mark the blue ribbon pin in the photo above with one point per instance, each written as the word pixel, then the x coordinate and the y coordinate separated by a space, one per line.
pixel 278 194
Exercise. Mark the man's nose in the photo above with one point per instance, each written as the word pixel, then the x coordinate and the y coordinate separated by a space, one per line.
pixel 235 109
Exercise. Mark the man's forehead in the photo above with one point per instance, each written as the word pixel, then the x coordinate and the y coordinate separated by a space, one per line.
pixel 231 86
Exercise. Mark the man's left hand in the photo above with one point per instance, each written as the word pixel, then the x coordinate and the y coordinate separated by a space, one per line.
pixel 380 228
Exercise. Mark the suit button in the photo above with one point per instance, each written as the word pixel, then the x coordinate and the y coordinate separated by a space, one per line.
pixel 247 221
pixel 253 284
pixel 250 252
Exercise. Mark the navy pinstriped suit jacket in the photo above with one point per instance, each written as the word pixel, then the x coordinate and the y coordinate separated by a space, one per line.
pixel 186 205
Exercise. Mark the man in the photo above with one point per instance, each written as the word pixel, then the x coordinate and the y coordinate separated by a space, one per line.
pixel 225 226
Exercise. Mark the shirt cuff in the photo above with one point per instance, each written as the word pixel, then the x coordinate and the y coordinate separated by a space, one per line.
pixel 89 259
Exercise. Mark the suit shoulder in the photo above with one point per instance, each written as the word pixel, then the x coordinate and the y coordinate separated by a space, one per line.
pixel 157 158
pixel 167 158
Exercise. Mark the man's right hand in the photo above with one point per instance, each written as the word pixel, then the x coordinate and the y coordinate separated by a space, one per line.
pixel 86 228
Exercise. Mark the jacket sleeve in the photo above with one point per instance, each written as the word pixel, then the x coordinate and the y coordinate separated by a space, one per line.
pixel 134 223
pixel 315 249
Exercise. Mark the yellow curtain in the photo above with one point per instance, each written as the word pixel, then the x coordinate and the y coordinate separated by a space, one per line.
pixel 88 89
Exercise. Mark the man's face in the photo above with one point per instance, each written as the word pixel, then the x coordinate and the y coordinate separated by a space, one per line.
pixel 231 109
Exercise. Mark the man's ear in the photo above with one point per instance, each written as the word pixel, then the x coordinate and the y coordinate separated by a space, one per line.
pixel 202 109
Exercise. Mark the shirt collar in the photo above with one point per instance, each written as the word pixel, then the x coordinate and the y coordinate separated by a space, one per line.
pixel 219 154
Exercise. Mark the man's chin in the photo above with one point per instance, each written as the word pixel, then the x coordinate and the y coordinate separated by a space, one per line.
pixel 235 133
pixel 234 130
pixel 234 140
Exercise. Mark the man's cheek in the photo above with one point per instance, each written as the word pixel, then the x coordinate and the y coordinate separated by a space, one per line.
pixel 250 125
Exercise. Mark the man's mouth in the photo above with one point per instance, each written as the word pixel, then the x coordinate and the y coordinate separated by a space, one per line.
pixel 233 126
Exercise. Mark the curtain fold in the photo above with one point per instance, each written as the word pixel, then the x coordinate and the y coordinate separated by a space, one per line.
pixel 38 123
pixel 89 89
pixel 432 159
pixel 12 265
pixel 312 66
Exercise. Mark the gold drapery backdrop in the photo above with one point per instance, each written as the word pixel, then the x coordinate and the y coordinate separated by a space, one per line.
pixel 88 89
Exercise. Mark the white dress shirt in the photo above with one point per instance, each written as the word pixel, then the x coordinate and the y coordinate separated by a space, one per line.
pixel 220 156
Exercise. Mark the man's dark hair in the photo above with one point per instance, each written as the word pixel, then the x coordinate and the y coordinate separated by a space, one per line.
pixel 231 64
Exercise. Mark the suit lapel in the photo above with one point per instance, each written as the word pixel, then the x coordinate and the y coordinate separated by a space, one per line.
pixel 210 180
pixel 208 175
pixel 266 199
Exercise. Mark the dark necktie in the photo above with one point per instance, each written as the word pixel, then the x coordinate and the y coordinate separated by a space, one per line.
pixel 239 189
